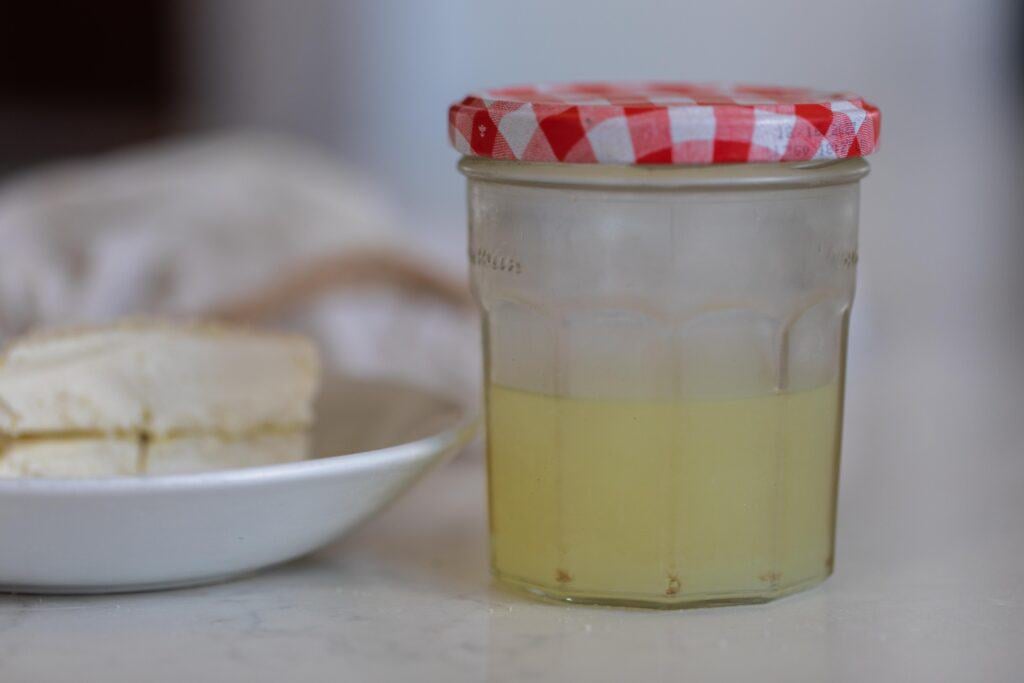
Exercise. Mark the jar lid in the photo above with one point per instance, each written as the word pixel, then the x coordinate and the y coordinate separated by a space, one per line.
pixel 662 123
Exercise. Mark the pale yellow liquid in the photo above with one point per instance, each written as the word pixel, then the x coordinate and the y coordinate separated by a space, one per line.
pixel 663 502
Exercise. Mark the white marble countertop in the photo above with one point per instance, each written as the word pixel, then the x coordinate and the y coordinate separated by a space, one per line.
pixel 929 583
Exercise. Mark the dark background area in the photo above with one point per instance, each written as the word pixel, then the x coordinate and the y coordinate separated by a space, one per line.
pixel 78 78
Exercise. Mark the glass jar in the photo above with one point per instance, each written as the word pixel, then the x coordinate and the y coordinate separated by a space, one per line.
pixel 664 365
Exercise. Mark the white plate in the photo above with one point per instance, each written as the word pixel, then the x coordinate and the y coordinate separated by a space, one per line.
pixel 140 533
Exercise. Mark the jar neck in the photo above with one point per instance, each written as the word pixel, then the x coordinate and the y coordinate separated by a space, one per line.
pixel 667 177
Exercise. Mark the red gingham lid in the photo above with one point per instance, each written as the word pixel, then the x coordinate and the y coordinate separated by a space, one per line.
pixel 662 123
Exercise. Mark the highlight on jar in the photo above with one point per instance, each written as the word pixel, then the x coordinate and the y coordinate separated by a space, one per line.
pixel 665 273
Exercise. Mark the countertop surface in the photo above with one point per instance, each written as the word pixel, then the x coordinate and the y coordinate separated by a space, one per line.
pixel 929 582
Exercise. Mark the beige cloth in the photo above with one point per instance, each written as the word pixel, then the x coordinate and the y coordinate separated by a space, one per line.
pixel 194 226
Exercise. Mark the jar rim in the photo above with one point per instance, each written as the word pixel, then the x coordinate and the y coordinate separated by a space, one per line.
pixel 661 177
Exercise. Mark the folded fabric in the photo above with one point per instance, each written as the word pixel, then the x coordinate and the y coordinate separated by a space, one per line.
pixel 252 226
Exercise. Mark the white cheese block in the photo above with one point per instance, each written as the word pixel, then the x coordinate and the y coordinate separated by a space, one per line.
pixel 186 455
pixel 110 457
pixel 70 458
pixel 158 379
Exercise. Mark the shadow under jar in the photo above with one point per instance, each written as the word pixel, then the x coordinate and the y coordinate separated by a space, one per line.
pixel 664 342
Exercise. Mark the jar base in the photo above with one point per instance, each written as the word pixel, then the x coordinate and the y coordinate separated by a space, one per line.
pixel 692 601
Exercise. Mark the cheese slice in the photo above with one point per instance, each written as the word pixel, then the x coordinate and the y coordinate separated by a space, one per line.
pixel 157 379
pixel 111 457
pixel 70 458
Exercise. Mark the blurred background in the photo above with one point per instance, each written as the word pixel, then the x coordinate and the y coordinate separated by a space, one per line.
pixel 188 156
pixel 366 83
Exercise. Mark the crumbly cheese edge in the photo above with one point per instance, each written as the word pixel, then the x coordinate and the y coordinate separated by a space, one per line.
pixel 144 325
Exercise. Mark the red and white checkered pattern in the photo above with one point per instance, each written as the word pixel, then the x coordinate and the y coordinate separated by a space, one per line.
pixel 662 123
